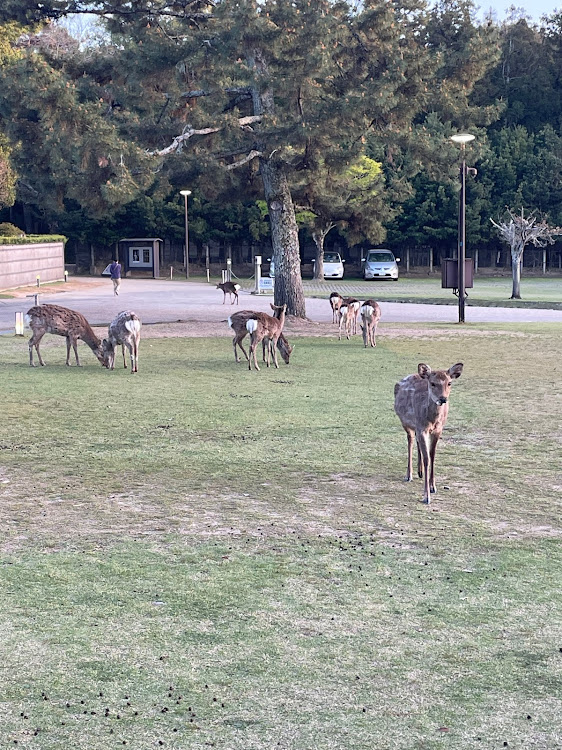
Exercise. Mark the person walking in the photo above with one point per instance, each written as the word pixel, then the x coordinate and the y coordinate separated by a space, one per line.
pixel 115 273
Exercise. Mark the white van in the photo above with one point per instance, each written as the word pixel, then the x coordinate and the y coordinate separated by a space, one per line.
pixel 333 265
pixel 380 264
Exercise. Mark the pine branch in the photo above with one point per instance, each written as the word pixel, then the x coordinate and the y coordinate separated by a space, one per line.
pixel 189 132
pixel 240 163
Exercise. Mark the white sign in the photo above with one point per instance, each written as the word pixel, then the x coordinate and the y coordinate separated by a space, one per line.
pixel 266 285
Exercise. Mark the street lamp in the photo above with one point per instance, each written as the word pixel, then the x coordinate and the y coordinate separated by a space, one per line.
pixel 462 139
pixel 185 193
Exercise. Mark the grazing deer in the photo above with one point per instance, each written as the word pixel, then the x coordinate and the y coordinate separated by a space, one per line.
pixel 353 306
pixel 336 301
pixel 238 321
pixel 263 326
pixel 61 321
pixel 421 402
pixel 124 329
pixel 370 315
pixel 231 289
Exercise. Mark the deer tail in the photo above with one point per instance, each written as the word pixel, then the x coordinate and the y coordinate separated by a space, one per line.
pixel 133 325
pixel 251 325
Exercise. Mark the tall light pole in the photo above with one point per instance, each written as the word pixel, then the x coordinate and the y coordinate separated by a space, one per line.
pixel 462 139
pixel 185 193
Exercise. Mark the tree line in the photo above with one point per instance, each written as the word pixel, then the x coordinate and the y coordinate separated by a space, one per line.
pixel 287 120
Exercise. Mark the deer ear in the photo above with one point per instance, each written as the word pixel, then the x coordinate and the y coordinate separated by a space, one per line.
pixel 456 370
pixel 424 371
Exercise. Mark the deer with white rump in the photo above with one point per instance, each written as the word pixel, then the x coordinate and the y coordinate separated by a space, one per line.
pixel 228 287
pixel 237 321
pixel 421 402
pixel 61 321
pixel 336 301
pixel 263 326
pixel 370 316
pixel 124 329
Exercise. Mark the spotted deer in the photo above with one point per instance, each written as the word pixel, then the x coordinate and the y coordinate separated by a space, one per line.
pixel 336 301
pixel 61 321
pixel 370 316
pixel 421 402
pixel 263 326
pixel 228 287
pixel 237 322
pixel 124 329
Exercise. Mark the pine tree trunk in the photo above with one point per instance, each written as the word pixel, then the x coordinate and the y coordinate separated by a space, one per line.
pixel 284 239
pixel 319 236
pixel 516 259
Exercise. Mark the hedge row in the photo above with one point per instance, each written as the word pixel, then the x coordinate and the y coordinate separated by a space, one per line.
pixel 32 239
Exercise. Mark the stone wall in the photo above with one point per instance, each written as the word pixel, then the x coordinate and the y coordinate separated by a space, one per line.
pixel 21 264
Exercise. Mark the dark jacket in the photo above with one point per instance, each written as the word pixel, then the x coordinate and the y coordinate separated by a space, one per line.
pixel 115 270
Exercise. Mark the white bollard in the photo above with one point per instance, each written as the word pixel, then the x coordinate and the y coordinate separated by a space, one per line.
pixel 19 324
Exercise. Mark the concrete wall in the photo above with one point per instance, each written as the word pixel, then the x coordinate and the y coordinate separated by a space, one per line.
pixel 21 264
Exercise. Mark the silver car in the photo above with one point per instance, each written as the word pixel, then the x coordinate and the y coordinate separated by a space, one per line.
pixel 380 264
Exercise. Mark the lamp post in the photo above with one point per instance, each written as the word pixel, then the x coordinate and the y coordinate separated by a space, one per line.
pixel 185 193
pixel 462 139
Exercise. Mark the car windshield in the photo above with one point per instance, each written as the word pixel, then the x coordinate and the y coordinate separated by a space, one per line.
pixel 331 258
pixel 380 257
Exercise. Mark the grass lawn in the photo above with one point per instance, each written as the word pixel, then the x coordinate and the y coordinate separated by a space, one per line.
pixel 200 556
pixel 544 292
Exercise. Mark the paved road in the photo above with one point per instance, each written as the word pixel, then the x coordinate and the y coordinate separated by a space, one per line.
pixel 159 301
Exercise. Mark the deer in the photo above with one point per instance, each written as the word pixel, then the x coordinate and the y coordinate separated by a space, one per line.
pixel 370 316
pixel 228 287
pixel 262 326
pixel 124 329
pixel 237 322
pixel 353 306
pixel 421 402
pixel 344 321
pixel 61 321
pixel 336 301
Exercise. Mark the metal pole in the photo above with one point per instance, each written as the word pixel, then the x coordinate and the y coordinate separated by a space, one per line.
pixel 186 241
pixel 462 239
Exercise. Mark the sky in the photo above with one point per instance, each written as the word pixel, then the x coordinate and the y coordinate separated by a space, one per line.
pixel 533 8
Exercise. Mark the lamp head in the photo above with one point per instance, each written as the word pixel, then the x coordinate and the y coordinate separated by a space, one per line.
pixel 462 138
pixel 185 192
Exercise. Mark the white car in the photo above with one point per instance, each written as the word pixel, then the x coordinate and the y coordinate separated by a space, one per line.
pixel 333 265
pixel 380 264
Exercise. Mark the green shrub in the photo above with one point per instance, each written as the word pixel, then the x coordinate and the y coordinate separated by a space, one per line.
pixel 10 230
pixel 30 239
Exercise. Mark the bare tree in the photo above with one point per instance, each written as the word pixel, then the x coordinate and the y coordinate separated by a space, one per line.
pixel 519 231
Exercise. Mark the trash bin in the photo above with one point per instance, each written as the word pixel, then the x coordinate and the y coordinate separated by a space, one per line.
pixel 449 273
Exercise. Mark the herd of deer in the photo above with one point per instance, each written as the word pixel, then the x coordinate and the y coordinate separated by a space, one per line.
pixel 421 400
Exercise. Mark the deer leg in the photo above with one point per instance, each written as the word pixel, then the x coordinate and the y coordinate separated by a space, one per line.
pixel 253 346
pixel 74 343
pixel 410 435
pixel 373 335
pixel 423 445
pixel 223 297
pixel 273 349
pixel 123 355
pixel 432 448
pixel 237 341
pixel 420 466
pixel 34 341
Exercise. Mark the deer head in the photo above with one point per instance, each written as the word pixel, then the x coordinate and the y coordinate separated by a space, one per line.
pixel 439 381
